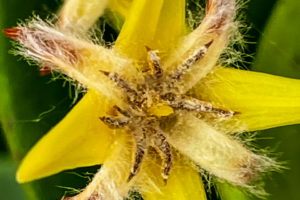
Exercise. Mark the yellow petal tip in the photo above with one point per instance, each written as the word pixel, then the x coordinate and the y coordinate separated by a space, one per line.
pixel 23 177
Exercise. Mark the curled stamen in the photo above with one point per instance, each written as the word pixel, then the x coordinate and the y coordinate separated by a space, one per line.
pixel 131 94
pixel 114 122
pixel 195 105
pixel 141 145
pixel 164 150
pixel 186 66
pixel 154 61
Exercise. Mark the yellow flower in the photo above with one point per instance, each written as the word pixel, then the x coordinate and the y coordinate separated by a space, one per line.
pixel 157 85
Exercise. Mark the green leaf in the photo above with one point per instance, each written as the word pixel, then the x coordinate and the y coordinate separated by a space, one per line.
pixel 279 53
pixel 26 97
pixel 229 192
pixel 9 187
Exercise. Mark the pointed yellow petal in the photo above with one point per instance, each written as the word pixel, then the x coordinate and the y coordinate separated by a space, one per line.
pixel 157 24
pixel 139 28
pixel 264 101
pixel 171 26
pixel 80 139
pixel 152 23
pixel 184 182
pixel 79 15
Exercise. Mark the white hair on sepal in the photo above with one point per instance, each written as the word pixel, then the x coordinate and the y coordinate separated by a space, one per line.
pixel 78 16
pixel 218 153
pixel 39 41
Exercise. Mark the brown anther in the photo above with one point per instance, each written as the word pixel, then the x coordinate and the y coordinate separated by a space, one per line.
pixel 104 72
pixel 148 48
pixel 207 45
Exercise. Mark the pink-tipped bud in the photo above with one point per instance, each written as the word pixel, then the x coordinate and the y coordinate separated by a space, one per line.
pixel 45 70
pixel 13 33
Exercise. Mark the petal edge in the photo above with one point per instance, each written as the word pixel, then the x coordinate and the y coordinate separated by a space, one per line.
pixel 58 149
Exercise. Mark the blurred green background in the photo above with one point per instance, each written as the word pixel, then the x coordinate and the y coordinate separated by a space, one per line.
pixel 24 95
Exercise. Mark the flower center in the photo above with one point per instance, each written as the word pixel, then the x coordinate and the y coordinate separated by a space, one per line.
pixel 158 90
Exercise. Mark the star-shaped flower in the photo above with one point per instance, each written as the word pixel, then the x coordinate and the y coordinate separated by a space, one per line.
pixel 157 107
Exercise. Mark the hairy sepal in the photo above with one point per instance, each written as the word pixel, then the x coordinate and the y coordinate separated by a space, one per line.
pixel 219 154
pixel 80 60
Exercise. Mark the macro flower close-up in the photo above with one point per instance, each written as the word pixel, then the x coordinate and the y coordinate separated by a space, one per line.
pixel 167 112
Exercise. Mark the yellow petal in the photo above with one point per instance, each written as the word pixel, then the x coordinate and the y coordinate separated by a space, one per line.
pixel 80 139
pixel 80 15
pixel 263 100
pixel 171 26
pixel 120 6
pixel 160 110
pixel 152 23
pixel 184 182
pixel 139 28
